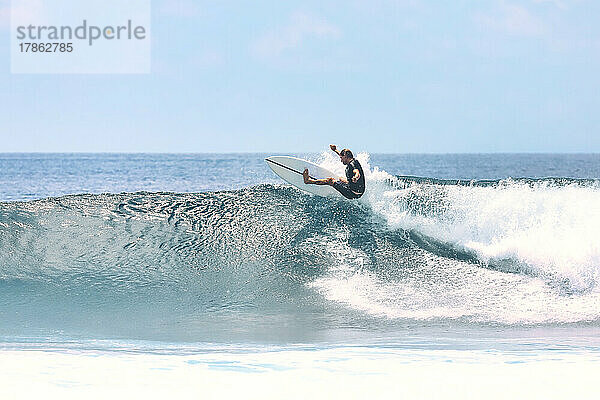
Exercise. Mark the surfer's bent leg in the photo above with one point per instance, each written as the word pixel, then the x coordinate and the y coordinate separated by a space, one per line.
pixel 309 181
pixel 345 190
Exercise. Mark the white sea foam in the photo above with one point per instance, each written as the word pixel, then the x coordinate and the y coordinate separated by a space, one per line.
pixel 298 374
pixel 546 232
pixel 455 289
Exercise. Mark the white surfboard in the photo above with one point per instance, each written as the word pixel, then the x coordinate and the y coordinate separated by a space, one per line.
pixel 290 170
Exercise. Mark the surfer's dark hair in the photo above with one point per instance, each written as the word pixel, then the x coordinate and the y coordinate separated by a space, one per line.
pixel 346 153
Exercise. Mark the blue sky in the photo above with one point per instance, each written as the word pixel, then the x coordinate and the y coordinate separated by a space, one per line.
pixel 378 76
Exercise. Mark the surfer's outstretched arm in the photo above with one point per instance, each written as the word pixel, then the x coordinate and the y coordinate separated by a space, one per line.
pixel 310 181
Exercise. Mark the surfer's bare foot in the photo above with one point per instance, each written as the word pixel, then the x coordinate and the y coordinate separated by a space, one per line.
pixel 306 177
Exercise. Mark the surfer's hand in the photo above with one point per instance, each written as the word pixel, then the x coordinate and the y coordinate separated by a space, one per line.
pixel 333 147
pixel 354 178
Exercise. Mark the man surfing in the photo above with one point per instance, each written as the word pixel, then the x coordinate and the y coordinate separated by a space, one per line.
pixel 351 187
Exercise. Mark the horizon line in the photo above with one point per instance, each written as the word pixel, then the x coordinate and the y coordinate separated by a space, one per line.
pixel 299 152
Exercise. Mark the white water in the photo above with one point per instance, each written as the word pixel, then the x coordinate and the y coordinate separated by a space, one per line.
pixel 344 373
pixel 546 233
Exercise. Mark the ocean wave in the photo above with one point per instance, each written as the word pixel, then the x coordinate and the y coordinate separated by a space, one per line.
pixel 513 251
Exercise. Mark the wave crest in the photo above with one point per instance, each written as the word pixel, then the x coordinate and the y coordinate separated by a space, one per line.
pixel 413 248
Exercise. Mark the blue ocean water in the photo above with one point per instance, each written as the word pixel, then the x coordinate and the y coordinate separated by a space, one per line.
pixel 37 175
pixel 172 252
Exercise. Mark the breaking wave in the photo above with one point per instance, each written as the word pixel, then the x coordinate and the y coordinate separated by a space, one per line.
pixel 412 249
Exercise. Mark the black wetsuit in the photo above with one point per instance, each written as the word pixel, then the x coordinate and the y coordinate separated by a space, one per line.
pixel 352 190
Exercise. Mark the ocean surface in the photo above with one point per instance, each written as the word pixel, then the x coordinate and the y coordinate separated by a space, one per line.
pixel 179 272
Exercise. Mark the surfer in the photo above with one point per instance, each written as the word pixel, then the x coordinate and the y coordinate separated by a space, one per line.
pixel 351 187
